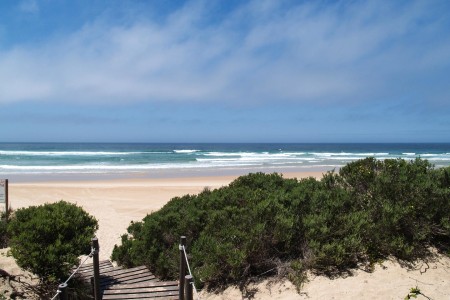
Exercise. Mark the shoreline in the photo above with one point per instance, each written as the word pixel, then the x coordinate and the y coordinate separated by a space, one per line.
pixel 161 174
pixel 144 179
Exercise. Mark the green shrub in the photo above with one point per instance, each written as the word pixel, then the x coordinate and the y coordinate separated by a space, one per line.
pixel 3 231
pixel 262 223
pixel 407 202
pixel 48 239
pixel 334 227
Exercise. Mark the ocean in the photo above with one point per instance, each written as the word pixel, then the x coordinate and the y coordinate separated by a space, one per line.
pixel 23 161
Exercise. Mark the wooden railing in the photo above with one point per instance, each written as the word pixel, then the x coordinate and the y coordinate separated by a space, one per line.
pixel 100 289
pixel 186 281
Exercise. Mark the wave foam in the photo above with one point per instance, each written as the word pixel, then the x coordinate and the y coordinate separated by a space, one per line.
pixel 68 153
pixel 186 151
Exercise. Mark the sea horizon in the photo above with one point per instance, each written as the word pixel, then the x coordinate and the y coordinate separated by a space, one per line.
pixel 38 161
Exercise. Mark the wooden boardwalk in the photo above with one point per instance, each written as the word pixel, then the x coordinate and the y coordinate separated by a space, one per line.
pixel 133 283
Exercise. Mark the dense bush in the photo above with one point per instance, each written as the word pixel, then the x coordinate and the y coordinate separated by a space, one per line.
pixel 408 204
pixel 261 222
pixel 48 239
pixel 3 231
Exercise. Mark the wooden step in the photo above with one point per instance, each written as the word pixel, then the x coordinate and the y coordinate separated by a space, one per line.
pixel 132 283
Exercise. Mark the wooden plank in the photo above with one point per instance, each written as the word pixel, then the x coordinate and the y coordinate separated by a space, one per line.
pixel 143 285
pixel 141 290
pixel 116 271
pixel 89 273
pixel 160 297
pixel 87 270
pixel 102 262
pixel 125 276
pixel 134 279
pixel 112 271
pixel 133 283
pixel 142 296
pixel 104 267
pixel 124 272
pixel 149 278
pixel 130 274
pixel 137 280
pixel 90 265
pixel 114 280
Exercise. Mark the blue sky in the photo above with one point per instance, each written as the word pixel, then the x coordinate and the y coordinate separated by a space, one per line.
pixel 224 71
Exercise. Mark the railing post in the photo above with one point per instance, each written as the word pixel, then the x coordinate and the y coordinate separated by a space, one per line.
pixel 92 286
pixel 188 285
pixel 62 288
pixel 96 263
pixel 182 268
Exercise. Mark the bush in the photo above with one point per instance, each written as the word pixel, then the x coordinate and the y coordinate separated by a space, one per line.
pixel 407 204
pixel 3 231
pixel 242 226
pixel 262 223
pixel 333 227
pixel 48 239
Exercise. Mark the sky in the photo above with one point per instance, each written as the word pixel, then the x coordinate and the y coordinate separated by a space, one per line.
pixel 224 71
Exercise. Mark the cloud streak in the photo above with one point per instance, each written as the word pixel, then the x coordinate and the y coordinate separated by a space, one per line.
pixel 29 6
pixel 263 51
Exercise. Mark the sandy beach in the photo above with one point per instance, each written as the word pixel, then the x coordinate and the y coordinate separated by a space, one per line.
pixel 115 203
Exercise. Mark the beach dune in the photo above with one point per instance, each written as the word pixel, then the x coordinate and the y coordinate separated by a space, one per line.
pixel 115 203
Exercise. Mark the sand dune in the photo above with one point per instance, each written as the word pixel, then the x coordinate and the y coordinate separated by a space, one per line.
pixel 115 203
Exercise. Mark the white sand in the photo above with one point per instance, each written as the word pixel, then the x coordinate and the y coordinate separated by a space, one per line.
pixel 388 281
pixel 115 203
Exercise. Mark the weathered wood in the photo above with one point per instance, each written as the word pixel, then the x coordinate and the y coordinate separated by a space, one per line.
pixel 112 281
pixel 96 263
pixel 62 288
pixel 119 271
pixel 144 285
pixel 87 275
pixel 188 285
pixel 126 276
pixel 136 278
pixel 87 271
pixel 163 295
pixel 89 266
pixel 147 278
pixel 182 267
pixel 136 283
pixel 133 283
pixel 142 290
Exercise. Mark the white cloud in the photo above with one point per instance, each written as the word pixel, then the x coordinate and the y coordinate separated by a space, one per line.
pixel 29 6
pixel 260 52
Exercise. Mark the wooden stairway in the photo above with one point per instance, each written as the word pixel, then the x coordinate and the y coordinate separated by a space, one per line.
pixel 133 283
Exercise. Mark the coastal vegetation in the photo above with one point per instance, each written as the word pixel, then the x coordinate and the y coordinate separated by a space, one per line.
pixel 48 239
pixel 3 230
pixel 264 224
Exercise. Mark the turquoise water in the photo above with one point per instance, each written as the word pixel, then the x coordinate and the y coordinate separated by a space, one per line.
pixel 159 160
